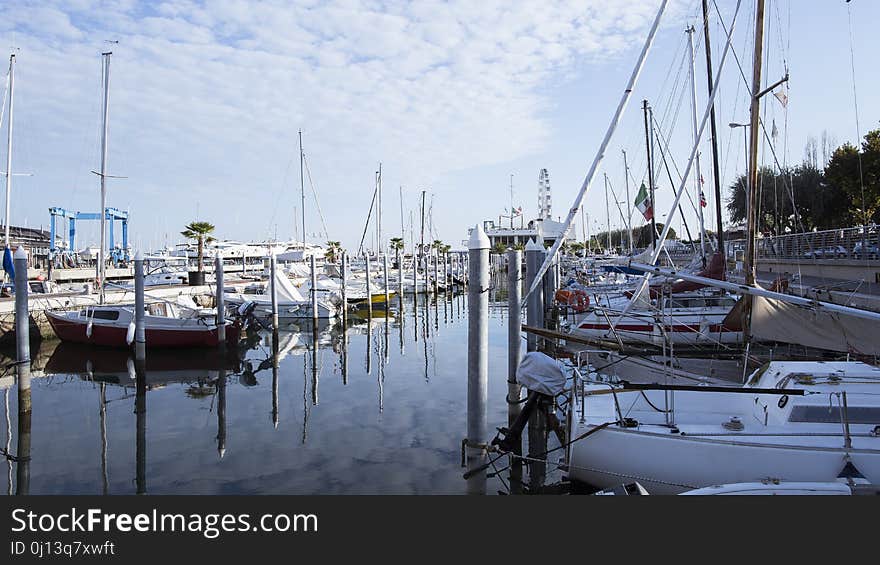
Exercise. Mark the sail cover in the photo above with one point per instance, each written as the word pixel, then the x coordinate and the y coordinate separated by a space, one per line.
pixel 776 320
pixel 286 291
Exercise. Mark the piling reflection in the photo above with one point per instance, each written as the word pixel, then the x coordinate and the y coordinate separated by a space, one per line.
pixel 23 453
pixel 208 410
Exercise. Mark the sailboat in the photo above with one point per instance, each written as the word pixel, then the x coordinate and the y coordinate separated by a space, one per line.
pixel 792 421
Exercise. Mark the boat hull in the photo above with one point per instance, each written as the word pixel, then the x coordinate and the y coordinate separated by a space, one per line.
pixel 116 336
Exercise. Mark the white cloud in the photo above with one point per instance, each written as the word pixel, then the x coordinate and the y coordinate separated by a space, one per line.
pixel 206 97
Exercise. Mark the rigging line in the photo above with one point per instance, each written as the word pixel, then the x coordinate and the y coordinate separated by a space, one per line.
pixel 315 195
pixel 680 211
pixel 367 223
pixel 674 165
pixel 852 60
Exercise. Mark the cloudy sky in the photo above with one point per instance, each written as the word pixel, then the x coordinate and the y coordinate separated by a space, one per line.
pixel 206 99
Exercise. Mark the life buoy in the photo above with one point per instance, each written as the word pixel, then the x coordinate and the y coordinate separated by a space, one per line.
pixel 578 300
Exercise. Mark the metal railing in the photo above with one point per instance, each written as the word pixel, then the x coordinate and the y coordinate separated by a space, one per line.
pixel 859 243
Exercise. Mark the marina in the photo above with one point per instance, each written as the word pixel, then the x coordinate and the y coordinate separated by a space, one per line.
pixel 726 346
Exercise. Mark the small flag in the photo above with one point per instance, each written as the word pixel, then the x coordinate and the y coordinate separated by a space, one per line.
pixel 774 132
pixel 702 198
pixel 519 211
pixel 783 99
pixel 644 204
pixel 702 182
pixel 8 264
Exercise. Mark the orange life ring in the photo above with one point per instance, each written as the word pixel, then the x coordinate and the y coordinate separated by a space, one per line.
pixel 578 300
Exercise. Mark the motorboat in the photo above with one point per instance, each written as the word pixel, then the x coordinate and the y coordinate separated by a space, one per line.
pixel 165 325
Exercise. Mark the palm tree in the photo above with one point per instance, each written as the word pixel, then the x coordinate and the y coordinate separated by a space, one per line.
pixel 397 245
pixel 334 249
pixel 499 248
pixel 519 247
pixel 437 245
pixel 200 231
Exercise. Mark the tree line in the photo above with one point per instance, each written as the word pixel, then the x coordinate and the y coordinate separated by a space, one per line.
pixel 844 191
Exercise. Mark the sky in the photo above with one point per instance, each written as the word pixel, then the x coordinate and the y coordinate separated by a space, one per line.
pixel 452 98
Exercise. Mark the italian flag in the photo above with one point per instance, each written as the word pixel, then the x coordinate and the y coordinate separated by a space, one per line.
pixel 643 203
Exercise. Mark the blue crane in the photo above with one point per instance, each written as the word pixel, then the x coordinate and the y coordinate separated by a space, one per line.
pixel 116 255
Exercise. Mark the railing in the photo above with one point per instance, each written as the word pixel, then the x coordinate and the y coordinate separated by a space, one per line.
pixel 860 243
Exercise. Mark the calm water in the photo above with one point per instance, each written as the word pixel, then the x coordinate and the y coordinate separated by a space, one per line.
pixel 376 408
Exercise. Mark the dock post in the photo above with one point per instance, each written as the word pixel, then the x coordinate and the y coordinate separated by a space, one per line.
pixel 385 276
pixel 400 257
pixel 446 281
pixel 344 260
pixel 220 299
pixel 273 288
pixel 23 370
pixel 369 290
pixel 514 321
pixel 478 357
pixel 436 275
pixel 140 336
pixel 314 274
pixel 535 305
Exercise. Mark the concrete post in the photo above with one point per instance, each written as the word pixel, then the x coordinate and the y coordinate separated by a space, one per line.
pixel 344 260
pixel 436 274
pixel 514 321
pixel 400 257
pixel 220 299
pixel 385 277
pixel 535 305
pixel 140 336
pixel 23 370
pixel 273 288
pixel 478 357
pixel 369 289
pixel 314 295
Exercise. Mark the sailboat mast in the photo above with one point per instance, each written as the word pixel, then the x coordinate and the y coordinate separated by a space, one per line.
pixel 698 175
pixel 379 246
pixel 511 200
pixel 9 144
pixel 751 224
pixel 302 193
pixel 422 244
pixel 607 213
pixel 104 149
pixel 716 171
pixel 650 175
pixel 628 208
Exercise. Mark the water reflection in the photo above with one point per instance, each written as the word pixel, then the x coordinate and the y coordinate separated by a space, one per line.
pixel 240 421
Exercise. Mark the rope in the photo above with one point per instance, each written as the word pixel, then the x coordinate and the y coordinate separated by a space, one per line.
pixel 852 59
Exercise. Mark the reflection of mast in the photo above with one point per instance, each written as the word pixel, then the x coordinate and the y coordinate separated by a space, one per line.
pixel 275 378
pixel 305 400
pixel 221 413
pixel 103 399
pixel 140 410
pixel 23 483
pixel 344 353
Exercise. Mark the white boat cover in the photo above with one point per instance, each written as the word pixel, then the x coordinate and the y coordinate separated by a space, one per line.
pixel 776 320
pixel 540 373
pixel 286 291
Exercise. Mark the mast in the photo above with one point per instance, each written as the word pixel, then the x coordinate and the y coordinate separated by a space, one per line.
pixel 650 175
pixel 9 145
pixel 716 171
pixel 104 148
pixel 511 200
pixel 379 246
pixel 607 213
pixel 422 244
pixel 302 192
pixel 628 208
pixel 751 225
pixel 698 176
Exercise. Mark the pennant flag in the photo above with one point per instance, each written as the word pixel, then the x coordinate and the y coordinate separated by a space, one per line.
pixel 644 204
pixel 783 99
pixel 702 199
pixel 8 264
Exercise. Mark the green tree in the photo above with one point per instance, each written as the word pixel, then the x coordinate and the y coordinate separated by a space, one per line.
pixel 201 232
pixel 861 187
pixel 577 247
pixel 334 250
pixel 499 248
pixel 397 245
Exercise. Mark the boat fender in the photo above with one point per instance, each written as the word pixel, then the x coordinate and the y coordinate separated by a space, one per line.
pixel 89 329
pixel 783 400
pixel 129 335
pixel 129 364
